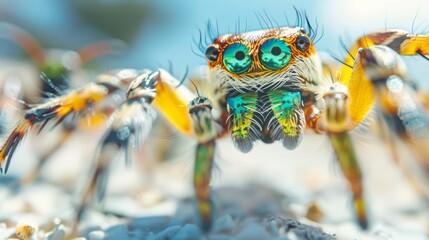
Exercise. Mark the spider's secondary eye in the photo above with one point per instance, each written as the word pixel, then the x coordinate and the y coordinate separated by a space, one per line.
pixel 275 54
pixel 236 58
pixel 302 43
pixel 212 53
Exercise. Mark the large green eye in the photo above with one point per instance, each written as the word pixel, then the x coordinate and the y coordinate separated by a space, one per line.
pixel 236 58
pixel 274 54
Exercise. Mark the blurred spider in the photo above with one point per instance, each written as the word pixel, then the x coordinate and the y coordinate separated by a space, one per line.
pixel 57 69
pixel 268 85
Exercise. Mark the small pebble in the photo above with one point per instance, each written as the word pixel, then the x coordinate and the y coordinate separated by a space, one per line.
pixel 223 224
pixel 266 208
pixel 314 213
pixel 57 234
pixel 189 232
pixel 168 233
pixel 252 231
pixel 155 224
pixel 149 197
pixel 25 231
pixel 236 212
pixel 221 237
pixel 96 235
pixel 117 232
pixel 272 224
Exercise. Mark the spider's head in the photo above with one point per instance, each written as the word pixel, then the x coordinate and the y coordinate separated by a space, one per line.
pixel 262 60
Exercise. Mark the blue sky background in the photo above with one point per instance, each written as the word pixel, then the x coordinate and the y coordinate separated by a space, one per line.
pixel 168 27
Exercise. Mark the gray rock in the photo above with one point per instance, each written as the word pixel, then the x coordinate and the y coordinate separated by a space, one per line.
pixel 117 232
pixel 291 227
pixel 223 224
pixel 239 219
pixel 58 233
pixel 188 232
pixel 254 231
pixel 266 208
pixel 221 237
pixel 149 224
pixel 167 233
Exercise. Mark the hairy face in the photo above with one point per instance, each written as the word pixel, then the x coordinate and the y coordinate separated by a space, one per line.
pixel 262 60
pixel 258 78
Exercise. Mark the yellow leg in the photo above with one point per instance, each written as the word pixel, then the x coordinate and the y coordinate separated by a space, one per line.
pixel 336 122
pixel 346 156
pixel 200 112
pixel 172 101
pixel 132 121
pixel 360 89
pixel 56 109
pixel 402 108
pixel 399 41
pixel 361 93
pixel 130 125
pixel 202 175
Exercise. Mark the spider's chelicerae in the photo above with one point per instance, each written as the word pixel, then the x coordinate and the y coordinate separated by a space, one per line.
pixel 267 85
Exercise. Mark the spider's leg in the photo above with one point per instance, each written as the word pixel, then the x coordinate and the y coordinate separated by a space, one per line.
pixel 205 132
pixel 24 40
pixel 341 116
pixel 400 41
pixel 360 94
pixel 35 172
pixel 401 108
pixel 130 125
pixel 424 98
pixel 97 49
pixel 68 127
pixel 313 116
pixel 343 147
pixel 171 100
pixel 202 175
pixel 75 102
pixel 336 122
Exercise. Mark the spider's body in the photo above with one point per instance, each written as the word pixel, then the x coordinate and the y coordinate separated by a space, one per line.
pixel 259 77
pixel 266 85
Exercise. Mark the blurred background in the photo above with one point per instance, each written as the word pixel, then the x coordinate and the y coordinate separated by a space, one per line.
pixel 160 31
pixel 165 33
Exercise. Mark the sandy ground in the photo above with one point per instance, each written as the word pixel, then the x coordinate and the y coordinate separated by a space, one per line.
pixel 304 177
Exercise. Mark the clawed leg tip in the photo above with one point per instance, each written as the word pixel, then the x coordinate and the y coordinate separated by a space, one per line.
pixel 363 223
pixel 206 224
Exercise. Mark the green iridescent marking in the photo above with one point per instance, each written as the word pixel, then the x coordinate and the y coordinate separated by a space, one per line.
pixel 346 156
pixel 202 173
pixel 205 129
pixel 204 158
pixel 242 107
pixel 236 58
pixel 283 104
pixel 275 54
